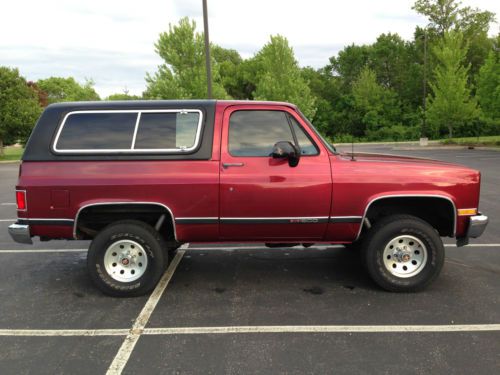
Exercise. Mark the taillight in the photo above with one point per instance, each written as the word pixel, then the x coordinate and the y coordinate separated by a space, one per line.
pixel 21 200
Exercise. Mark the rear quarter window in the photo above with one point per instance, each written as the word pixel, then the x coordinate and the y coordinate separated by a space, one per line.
pixel 97 131
pixel 168 131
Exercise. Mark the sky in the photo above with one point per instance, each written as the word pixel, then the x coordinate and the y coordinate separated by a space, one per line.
pixel 112 42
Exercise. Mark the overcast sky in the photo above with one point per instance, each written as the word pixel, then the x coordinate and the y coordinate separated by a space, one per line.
pixel 112 41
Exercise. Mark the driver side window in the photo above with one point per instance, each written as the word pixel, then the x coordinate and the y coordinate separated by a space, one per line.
pixel 254 132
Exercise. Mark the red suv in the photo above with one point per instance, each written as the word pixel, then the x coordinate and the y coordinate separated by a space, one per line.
pixel 140 178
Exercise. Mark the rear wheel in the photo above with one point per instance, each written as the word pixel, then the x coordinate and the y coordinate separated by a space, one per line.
pixel 403 253
pixel 127 258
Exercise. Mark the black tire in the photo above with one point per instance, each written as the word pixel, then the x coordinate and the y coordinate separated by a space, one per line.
pixel 390 228
pixel 137 232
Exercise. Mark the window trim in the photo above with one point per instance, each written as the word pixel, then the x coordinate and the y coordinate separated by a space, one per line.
pixel 308 136
pixel 131 150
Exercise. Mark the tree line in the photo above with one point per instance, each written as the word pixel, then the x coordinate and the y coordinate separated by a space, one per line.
pixel 443 82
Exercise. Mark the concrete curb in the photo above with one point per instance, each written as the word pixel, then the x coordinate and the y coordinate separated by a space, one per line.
pixel 9 161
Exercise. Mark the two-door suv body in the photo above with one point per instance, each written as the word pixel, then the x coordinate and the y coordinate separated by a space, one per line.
pixel 140 178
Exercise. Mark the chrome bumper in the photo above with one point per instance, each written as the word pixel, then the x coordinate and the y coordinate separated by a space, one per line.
pixel 20 233
pixel 477 225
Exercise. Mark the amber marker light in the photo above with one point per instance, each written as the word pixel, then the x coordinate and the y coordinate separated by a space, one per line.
pixel 467 211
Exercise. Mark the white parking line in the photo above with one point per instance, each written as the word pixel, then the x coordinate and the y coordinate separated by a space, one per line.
pixel 121 358
pixel 64 332
pixel 7 204
pixel 168 331
pixel 322 329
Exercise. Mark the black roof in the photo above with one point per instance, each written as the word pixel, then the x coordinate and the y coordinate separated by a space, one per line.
pixel 39 146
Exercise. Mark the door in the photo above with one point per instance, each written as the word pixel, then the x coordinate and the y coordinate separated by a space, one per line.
pixel 262 198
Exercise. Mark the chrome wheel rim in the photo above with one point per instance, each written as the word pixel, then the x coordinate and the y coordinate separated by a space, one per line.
pixel 405 256
pixel 125 261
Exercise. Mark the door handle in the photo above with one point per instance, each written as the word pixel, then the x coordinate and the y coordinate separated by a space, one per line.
pixel 227 165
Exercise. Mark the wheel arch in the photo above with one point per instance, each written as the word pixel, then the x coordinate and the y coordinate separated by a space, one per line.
pixel 422 211
pixel 159 207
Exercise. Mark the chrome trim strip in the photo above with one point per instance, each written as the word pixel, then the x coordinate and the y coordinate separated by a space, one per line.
pixel 197 220
pixel 275 220
pixel 135 130
pixel 412 196
pixel 131 150
pixel 118 203
pixel 345 219
pixel 25 201
pixel 45 221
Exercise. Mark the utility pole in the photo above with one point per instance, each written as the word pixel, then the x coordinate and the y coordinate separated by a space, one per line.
pixel 207 50
pixel 424 125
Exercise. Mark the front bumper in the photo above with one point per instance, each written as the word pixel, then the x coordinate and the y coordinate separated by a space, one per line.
pixel 477 225
pixel 20 233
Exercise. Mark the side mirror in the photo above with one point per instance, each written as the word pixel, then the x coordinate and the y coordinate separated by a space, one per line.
pixel 286 150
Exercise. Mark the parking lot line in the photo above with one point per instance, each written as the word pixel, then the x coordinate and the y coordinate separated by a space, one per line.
pixel 118 365
pixel 322 329
pixel 121 358
pixel 64 332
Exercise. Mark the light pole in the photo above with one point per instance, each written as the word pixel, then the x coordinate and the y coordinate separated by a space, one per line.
pixel 424 124
pixel 207 50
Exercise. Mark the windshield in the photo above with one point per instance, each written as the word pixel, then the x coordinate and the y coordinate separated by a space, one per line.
pixel 327 144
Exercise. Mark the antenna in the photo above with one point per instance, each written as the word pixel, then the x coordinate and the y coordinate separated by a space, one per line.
pixel 352 148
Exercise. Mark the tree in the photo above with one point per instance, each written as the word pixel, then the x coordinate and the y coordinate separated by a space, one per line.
pixel 61 89
pixel 19 108
pixel 488 90
pixel 349 63
pixel 123 96
pixel 280 77
pixel 448 15
pixel 183 75
pixel 229 63
pixel 450 103
pixel 379 105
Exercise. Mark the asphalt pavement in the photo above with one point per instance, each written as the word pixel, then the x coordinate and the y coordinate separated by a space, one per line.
pixel 239 308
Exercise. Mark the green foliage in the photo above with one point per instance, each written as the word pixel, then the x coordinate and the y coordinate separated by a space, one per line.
pixel 488 87
pixel 450 104
pixel 349 62
pixel 378 105
pixel 123 96
pixel 448 15
pixel 19 107
pixel 183 75
pixel 280 77
pixel 59 89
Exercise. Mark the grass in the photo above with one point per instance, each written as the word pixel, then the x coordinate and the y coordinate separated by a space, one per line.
pixel 11 153
pixel 493 140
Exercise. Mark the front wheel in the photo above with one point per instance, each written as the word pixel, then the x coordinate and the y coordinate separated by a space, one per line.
pixel 127 258
pixel 403 253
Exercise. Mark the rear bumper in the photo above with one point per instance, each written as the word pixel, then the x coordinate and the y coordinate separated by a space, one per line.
pixel 20 233
pixel 477 225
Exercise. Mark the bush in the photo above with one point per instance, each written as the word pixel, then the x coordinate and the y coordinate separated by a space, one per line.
pixel 394 133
